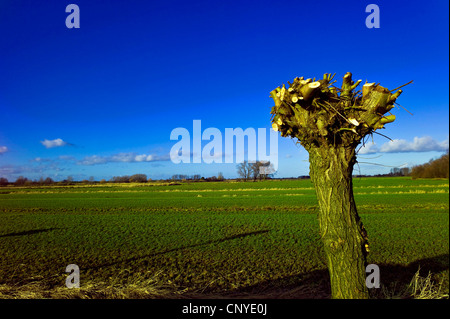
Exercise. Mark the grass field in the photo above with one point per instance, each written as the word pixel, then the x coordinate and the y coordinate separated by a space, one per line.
pixel 238 239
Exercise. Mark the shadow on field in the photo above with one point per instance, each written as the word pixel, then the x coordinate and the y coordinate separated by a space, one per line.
pixel 29 232
pixel 316 284
pixel 311 285
pixel 132 259
pixel 401 274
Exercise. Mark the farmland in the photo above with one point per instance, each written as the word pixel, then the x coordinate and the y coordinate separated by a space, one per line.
pixel 210 239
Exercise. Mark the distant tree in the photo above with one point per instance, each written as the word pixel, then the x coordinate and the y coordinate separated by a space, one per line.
pixel 220 176
pixel 92 179
pixel 266 170
pixel 120 179
pixel 396 172
pixel 48 181
pixel 261 170
pixel 3 181
pixel 435 168
pixel 181 177
pixel 138 178
pixel 405 171
pixel 20 181
pixel 254 170
pixel 244 170
pixel 103 181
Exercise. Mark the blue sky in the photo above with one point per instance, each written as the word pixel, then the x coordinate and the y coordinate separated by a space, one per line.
pixel 102 100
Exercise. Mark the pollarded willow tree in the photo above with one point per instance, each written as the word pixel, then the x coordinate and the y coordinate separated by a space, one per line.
pixel 330 122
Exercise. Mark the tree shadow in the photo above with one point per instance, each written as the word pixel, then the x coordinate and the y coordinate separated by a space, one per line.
pixel 316 284
pixel 396 277
pixel 397 272
pixel 310 285
pixel 137 258
pixel 29 232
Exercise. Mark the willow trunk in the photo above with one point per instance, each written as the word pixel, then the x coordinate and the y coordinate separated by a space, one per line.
pixel 342 232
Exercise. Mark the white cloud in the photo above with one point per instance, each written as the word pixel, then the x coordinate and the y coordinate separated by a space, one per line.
pixel 3 149
pixel 368 148
pixel 53 143
pixel 143 158
pixel 41 160
pixel 419 144
pixel 93 160
pixel 121 158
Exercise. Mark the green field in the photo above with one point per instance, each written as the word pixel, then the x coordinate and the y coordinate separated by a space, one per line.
pixel 211 239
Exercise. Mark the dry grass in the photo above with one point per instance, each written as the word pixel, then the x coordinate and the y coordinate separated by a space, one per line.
pixel 418 288
pixel 152 288
pixel 140 288
pixel 425 288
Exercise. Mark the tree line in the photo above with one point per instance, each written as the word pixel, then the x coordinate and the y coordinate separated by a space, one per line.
pixel 435 168
pixel 136 178
pixel 198 177
pixel 24 181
